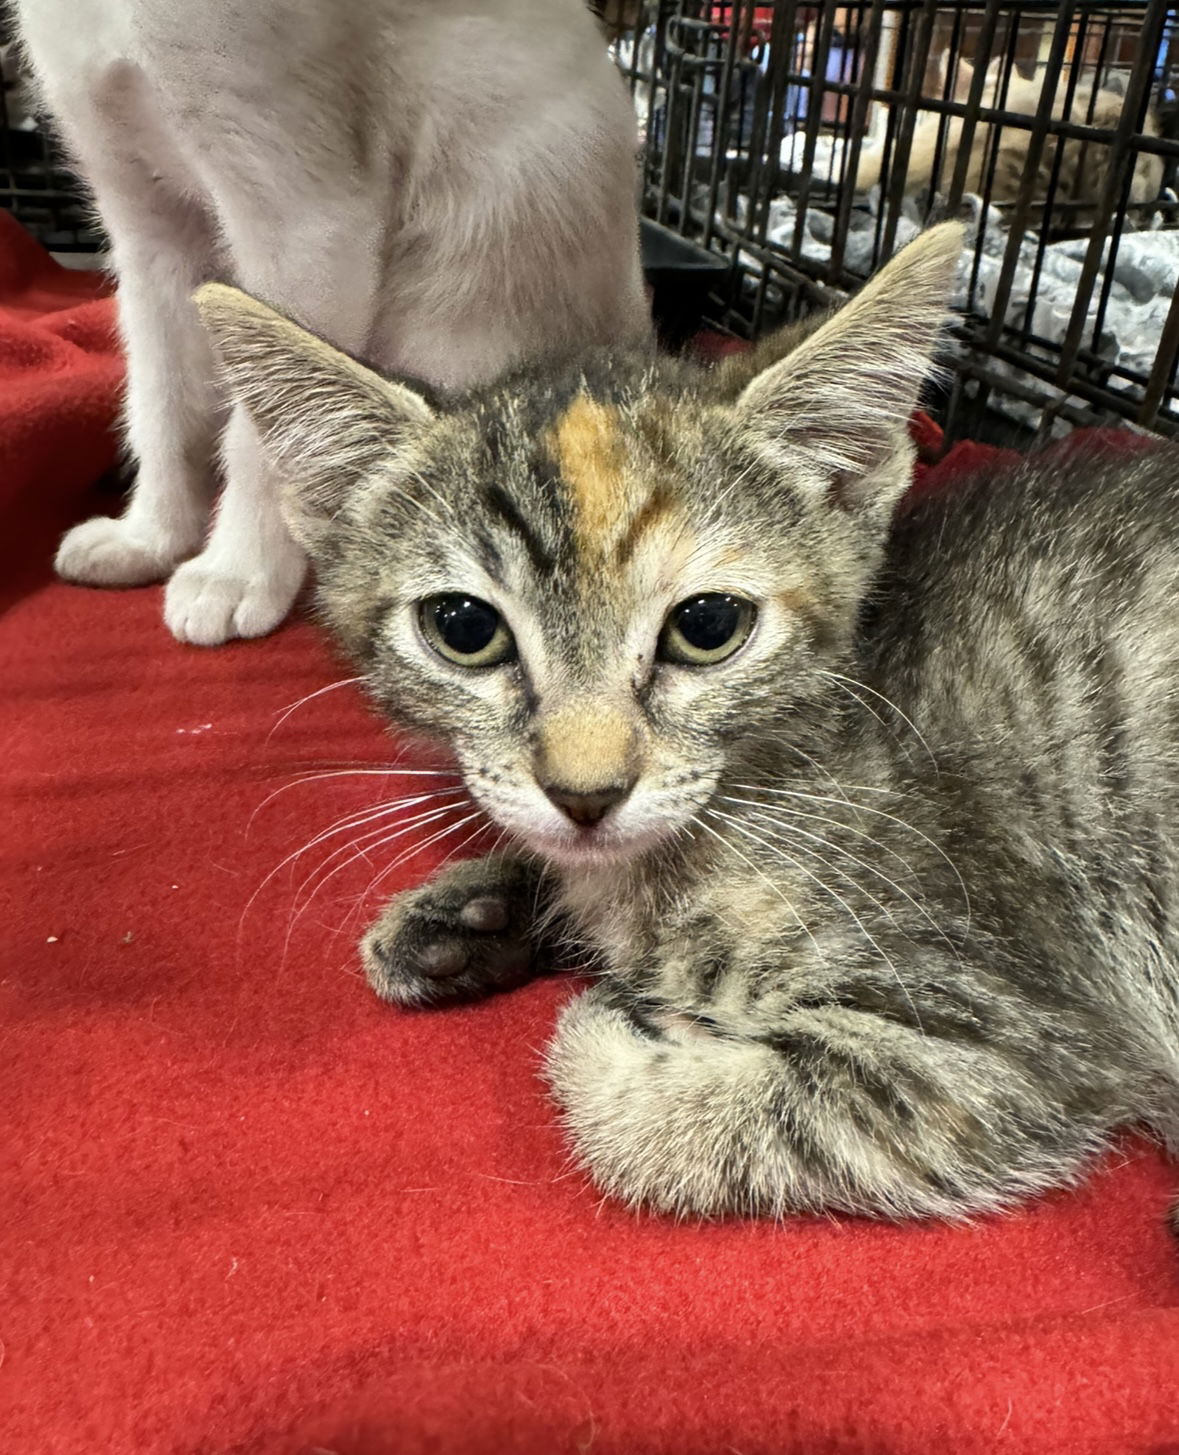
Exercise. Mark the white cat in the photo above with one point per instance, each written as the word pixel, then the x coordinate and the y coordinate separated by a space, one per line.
pixel 439 187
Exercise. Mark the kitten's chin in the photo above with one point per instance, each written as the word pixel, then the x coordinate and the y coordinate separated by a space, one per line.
pixel 593 848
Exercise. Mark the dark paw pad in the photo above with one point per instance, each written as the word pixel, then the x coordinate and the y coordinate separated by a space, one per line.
pixel 456 939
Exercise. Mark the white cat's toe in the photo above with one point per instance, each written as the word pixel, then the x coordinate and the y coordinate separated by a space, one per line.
pixel 106 552
pixel 206 605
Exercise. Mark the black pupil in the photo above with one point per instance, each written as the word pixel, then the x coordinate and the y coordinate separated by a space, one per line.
pixel 465 624
pixel 708 622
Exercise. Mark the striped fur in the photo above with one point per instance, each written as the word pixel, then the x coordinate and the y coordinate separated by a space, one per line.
pixel 887 921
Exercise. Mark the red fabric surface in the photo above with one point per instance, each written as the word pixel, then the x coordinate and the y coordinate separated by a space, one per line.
pixel 247 1208
pixel 59 371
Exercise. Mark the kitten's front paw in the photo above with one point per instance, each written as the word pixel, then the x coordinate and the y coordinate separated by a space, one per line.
pixel 207 604
pixel 108 552
pixel 466 934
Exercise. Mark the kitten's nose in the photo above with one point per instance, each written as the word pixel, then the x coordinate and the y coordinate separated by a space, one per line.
pixel 587 808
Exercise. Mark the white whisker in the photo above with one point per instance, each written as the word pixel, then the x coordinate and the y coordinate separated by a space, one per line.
pixel 315 777
pixel 849 684
pixel 428 843
pixel 760 872
pixel 361 852
pixel 310 697
pixel 743 828
pixel 359 817
pixel 817 766
pixel 447 505
pixel 362 845
pixel 792 831
pixel 880 813
pixel 349 821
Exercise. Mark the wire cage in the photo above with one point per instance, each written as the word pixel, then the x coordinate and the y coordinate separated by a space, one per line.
pixel 36 184
pixel 790 149
pixel 802 144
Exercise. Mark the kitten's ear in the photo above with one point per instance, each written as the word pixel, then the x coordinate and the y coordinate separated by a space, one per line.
pixel 325 420
pixel 840 403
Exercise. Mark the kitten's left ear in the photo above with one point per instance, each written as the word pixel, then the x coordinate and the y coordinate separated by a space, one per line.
pixel 324 419
pixel 840 404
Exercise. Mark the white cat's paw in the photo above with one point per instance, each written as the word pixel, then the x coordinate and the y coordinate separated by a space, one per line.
pixel 206 604
pixel 106 552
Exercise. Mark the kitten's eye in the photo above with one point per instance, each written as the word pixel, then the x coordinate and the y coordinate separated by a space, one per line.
pixel 706 629
pixel 466 631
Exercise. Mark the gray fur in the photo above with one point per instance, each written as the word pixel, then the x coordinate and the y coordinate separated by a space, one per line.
pixel 886 921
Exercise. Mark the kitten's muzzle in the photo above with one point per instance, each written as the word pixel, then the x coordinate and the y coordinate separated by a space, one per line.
pixel 587 808
pixel 588 757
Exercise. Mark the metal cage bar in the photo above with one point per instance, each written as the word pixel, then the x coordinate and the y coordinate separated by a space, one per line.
pixel 1059 149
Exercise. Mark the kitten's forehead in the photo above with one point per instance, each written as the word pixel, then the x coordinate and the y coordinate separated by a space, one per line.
pixel 578 485
pixel 614 495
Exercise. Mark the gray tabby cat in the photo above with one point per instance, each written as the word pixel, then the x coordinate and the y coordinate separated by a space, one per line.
pixel 867 816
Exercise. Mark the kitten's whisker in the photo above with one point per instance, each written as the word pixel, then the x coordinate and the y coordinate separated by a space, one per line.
pixel 420 504
pixel 817 766
pixel 375 765
pixel 366 772
pixel 403 826
pixel 441 499
pixel 848 683
pixel 867 706
pixel 362 852
pixel 769 813
pixel 844 789
pixel 340 826
pixel 716 511
pixel 315 777
pixel 791 832
pixel 310 697
pixel 359 817
pixel 780 838
pixel 760 872
pixel 838 823
pixel 880 813
pixel 744 829
pixel 428 843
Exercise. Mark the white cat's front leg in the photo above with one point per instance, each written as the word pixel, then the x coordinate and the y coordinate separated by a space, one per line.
pixel 246 579
pixel 171 403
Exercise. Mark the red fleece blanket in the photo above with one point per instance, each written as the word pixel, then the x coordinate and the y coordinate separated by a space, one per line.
pixel 245 1207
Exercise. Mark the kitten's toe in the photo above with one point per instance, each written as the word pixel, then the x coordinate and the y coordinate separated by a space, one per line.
pixel 465 935
pixel 109 552
pixel 206 604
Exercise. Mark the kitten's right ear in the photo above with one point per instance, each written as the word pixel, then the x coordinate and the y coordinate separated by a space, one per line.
pixel 325 420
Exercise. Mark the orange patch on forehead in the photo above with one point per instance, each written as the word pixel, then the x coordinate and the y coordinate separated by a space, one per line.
pixel 591 456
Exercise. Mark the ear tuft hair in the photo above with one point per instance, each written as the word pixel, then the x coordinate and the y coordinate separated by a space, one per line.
pixel 325 421
pixel 841 401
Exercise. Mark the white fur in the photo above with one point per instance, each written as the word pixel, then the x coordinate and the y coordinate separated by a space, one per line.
pixel 440 188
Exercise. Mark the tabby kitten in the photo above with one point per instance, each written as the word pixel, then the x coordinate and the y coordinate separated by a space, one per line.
pixel 867 815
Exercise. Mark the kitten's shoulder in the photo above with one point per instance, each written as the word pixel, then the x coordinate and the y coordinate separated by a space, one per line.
pixel 1091 496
